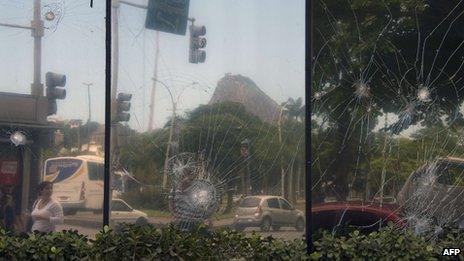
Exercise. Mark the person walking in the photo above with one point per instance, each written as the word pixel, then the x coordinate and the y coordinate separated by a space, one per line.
pixel 46 212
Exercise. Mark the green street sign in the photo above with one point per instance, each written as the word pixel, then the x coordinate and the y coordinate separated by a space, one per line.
pixel 168 16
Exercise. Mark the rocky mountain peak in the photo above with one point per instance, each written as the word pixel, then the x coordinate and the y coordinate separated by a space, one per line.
pixel 241 89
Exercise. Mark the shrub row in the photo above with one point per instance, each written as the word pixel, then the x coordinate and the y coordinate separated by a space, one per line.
pixel 131 242
pixel 387 244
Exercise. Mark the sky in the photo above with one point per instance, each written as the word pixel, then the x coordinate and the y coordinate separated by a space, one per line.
pixel 261 39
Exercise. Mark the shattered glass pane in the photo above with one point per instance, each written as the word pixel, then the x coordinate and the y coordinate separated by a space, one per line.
pixel 52 112
pixel 18 138
pixel 387 122
pixel 205 135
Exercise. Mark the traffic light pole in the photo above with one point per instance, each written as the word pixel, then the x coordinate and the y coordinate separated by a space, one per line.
pixel 116 4
pixel 37 31
pixel 114 143
pixel 114 89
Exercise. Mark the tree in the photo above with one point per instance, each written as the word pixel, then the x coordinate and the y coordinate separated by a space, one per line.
pixel 367 63
pixel 294 108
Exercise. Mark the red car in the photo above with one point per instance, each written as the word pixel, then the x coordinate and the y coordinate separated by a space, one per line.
pixel 366 216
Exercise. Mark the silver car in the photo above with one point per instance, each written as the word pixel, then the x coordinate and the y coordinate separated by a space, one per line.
pixel 436 191
pixel 266 212
pixel 121 212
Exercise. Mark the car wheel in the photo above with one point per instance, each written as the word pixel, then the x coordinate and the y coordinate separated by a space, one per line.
pixel 300 225
pixel 276 228
pixel 141 221
pixel 266 224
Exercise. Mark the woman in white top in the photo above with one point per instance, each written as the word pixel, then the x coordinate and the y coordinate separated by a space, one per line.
pixel 46 212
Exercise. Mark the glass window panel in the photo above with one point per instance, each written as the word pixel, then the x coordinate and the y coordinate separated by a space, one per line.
pixel 208 140
pixel 95 171
pixel 251 202
pixel 386 123
pixel 52 89
pixel 285 205
pixel 273 203
pixel 118 205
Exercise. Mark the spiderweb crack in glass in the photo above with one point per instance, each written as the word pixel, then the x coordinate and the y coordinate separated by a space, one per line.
pixel 18 138
pixel 193 197
pixel 392 122
pixel 54 12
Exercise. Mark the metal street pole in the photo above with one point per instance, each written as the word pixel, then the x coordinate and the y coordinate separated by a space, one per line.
pixel 38 31
pixel 245 151
pixel 116 4
pixel 384 156
pixel 249 188
pixel 88 96
pixel 115 43
pixel 171 130
pixel 153 89
pixel 173 120
pixel 282 171
pixel 114 89
pixel 168 147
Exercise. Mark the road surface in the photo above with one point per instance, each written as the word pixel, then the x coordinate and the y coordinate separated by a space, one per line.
pixel 283 233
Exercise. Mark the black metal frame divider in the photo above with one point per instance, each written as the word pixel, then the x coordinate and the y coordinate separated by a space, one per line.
pixel 308 70
pixel 106 180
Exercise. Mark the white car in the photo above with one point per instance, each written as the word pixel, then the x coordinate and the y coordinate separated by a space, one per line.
pixel 121 212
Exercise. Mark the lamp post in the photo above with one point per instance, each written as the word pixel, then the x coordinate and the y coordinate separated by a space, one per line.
pixel 171 129
pixel 245 151
pixel 88 96
pixel 282 171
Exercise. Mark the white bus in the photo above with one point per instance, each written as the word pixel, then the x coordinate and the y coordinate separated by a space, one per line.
pixel 77 182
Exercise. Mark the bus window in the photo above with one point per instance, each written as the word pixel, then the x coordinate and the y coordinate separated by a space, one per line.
pixel 61 169
pixel 96 171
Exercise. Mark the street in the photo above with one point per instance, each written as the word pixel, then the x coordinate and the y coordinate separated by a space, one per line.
pixel 286 233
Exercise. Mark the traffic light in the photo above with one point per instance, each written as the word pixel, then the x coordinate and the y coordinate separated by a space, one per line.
pixel 53 81
pixel 123 106
pixel 196 43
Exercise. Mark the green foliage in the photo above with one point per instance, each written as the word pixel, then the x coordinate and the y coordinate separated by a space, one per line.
pixel 149 197
pixel 65 245
pixel 375 44
pixel 217 130
pixel 387 244
pixel 131 242
pixel 402 156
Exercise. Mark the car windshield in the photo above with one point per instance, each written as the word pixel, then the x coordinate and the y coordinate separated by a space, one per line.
pixel 451 174
pixel 250 202
pixel 119 206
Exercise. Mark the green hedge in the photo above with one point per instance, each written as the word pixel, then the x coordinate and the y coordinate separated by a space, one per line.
pixel 387 244
pixel 131 242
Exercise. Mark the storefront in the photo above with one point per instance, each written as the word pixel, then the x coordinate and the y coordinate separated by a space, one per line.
pixel 20 166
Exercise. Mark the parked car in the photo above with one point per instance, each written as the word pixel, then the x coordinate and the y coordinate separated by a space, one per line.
pixel 366 217
pixel 436 189
pixel 121 212
pixel 266 212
